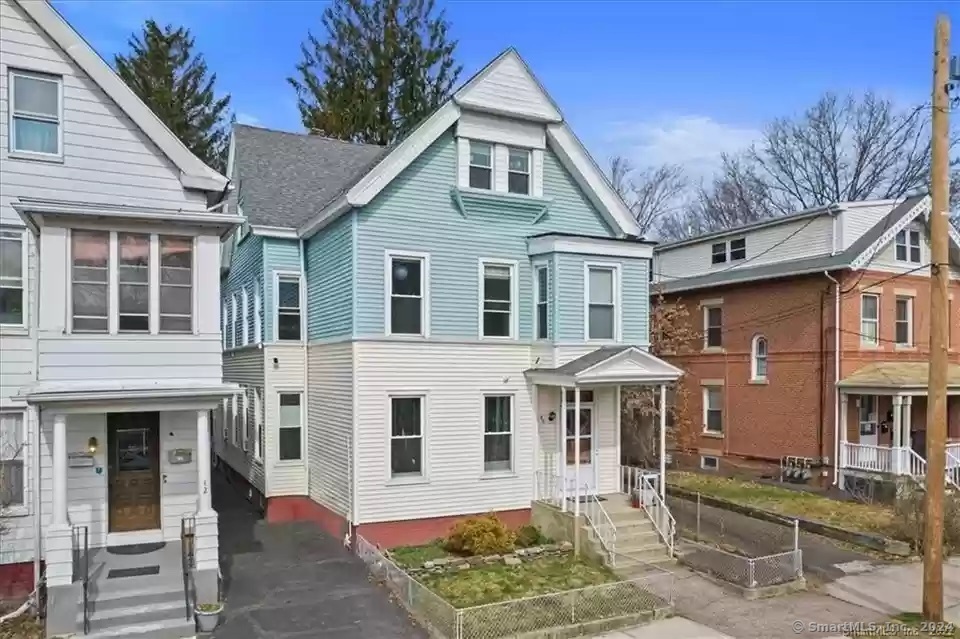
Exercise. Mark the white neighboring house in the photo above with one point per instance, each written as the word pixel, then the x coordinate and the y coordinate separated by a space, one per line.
pixel 109 327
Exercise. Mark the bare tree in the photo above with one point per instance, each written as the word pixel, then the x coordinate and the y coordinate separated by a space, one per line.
pixel 653 193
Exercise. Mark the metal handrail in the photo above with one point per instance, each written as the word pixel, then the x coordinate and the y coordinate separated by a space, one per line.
pixel 81 569
pixel 188 534
pixel 658 513
pixel 601 523
pixel 953 469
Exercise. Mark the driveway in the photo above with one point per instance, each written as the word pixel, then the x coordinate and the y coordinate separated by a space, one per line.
pixel 287 581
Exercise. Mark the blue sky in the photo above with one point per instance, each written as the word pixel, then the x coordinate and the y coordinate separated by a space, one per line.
pixel 672 81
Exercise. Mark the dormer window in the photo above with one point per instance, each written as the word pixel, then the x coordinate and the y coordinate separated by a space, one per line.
pixel 481 165
pixel 719 253
pixel 738 249
pixel 518 171
pixel 908 246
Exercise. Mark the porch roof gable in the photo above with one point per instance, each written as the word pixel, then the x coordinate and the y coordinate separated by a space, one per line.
pixel 608 365
pixel 897 375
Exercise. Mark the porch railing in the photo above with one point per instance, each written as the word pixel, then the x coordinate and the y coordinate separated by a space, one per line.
pixel 601 524
pixel 188 534
pixel 953 469
pixel 657 511
pixel 631 477
pixel 877 459
pixel 556 490
pixel 81 569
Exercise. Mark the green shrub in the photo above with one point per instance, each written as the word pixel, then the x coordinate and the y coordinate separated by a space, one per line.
pixel 909 518
pixel 483 535
pixel 530 535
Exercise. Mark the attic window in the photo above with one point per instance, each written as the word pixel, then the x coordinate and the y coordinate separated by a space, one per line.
pixel 481 165
pixel 738 249
pixel 908 246
pixel 719 252
pixel 518 171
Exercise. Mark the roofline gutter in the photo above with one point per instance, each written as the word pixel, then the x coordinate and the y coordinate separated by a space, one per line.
pixel 328 214
pixel 743 280
pixel 282 232
pixel 836 378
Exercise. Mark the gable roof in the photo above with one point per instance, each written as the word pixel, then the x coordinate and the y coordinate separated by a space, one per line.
pixel 283 179
pixel 194 173
pixel 358 174
pixel 857 255
pixel 608 364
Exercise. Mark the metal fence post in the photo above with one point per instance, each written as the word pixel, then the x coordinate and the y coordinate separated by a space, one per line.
pixel 698 517
pixel 752 574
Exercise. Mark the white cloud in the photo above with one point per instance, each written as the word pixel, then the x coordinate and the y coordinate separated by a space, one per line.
pixel 247 118
pixel 695 142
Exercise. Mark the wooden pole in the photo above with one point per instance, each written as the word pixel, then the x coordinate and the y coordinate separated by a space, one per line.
pixel 937 383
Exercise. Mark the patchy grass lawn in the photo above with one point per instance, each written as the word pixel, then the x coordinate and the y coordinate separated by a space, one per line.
pixel 415 556
pixel 875 518
pixel 497 582
pixel 916 627
pixel 23 627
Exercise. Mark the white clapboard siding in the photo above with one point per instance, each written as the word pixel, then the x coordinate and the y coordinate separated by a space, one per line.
pixel 492 128
pixel 453 377
pixel 858 218
pixel 330 417
pixel 244 367
pixel 178 429
pixel 288 375
pixel 17 364
pixel 508 87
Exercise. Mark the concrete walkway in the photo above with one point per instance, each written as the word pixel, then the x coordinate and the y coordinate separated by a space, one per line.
pixel 897 588
pixel 673 628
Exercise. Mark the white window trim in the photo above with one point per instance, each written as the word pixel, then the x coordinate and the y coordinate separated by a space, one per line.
pixel 235 303
pixel 277 275
pixel 257 310
pixel 864 340
pixel 537 268
pixel 46 77
pixel 730 249
pixel 234 421
pixel 278 391
pixel 706 411
pixel 910 343
pixel 244 302
pixel 423 477
pixel 726 253
pixel 224 410
pixel 514 294
pixel 616 267
pixel 225 324
pixel 528 172
pixel 513 434
pixel 24 276
pixel 706 325
pixel 23 509
pixel 755 358
pixel 908 232
pixel 388 257
pixel 258 421
pixel 492 168
pixel 244 419
pixel 703 462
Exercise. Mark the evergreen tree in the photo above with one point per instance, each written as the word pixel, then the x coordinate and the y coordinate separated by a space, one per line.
pixel 383 66
pixel 174 82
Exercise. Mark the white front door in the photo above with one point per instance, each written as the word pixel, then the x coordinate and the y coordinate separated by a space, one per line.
pixel 587 477
pixel 869 459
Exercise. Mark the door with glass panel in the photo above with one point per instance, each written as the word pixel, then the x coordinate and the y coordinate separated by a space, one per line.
pixel 586 478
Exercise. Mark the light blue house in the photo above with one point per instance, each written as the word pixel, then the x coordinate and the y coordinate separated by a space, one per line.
pixel 405 319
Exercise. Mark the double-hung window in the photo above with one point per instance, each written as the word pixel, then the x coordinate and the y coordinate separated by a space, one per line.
pixel 234 421
pixel 257 310
pixel 406 436
pixel 11 459
pixel 133 277
pixel 904 321
pixel 713 409
pixel 244 304
pixel 543 303
pixel 225 325
pixel 712 326
pixel 245 418
pixel 481 165
pixel 288 308
pixel 237 326
pixel 738 249
pixel 499 304
pixel 870 319
pixel 12 274
pixel 497 433
pixel 290 430
pixel 407 277
pixel 35 114
pixel 907 245
pixel 258 420
pixel 90 277
pixel 759 368
pixel 601 301
pixel 518 171
pixel 718 253
pixel 176 284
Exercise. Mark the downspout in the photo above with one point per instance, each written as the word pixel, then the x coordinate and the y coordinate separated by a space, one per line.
pixel 836 379
pixel 821 361
pixel 38 413
pixel 304 324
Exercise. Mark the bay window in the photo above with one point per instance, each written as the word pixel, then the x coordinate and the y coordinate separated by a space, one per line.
pixel 90 277
pixel 498 299
pixel 602 298
pixel 543 303
pixel 176 284
pixel 133 253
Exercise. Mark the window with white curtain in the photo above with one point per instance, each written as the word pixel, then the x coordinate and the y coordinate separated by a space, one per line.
pixel 869 319
pixel 759 368
pixel 35 116
pixel 497 433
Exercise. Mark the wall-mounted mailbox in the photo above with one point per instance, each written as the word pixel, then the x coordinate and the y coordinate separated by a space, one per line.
pixel 80 460
pixel 180 456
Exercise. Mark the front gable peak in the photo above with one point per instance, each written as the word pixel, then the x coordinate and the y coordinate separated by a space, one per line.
pixel 508 87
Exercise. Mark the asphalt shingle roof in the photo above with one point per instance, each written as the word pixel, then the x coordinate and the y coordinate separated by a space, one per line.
pixel 283 179
pixel 584 362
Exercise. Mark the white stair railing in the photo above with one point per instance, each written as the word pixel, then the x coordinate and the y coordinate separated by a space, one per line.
pixel 915 465
pixel 657 511
pixel 601 524
pixel 953 469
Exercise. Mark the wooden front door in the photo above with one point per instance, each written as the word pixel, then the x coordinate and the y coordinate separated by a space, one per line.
pixel 133 471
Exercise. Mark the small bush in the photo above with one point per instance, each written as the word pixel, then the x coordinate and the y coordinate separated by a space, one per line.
pixel 529 535
pixel 484 535
pixel 909 518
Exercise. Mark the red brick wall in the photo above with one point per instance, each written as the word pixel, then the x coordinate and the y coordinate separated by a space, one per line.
pixel 389 534
pixel 16 581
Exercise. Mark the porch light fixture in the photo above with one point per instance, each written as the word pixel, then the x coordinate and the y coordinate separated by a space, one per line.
pixel 552 416
pixel 92 445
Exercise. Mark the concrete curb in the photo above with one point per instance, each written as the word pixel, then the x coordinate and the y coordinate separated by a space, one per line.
pixel 877 543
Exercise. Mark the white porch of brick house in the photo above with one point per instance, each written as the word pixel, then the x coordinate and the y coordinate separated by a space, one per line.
pixel 902 383
pixel 69 416
pixel 592 381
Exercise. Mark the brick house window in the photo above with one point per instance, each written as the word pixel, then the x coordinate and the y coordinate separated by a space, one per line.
pixel 869 319
pixel 713 409
pixel 758 368
pixel 712 326
pixel 904 321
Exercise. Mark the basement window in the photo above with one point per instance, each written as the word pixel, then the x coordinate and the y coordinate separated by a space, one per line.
pixel 709 462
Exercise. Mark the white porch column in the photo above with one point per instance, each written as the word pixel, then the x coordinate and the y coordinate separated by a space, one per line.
pixel 576 450
pixel 841 462
pixel 907 420
pixel 204 503
pixel 58 537
pixel 663 441
pixel 897 432
pixel 536 442
pixel 563 448
pixel 60 471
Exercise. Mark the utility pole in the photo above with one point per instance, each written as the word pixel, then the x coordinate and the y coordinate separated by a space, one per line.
pixel 937 383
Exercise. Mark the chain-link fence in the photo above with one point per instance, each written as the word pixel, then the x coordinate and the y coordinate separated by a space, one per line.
pixel 632 599
pixel 737 548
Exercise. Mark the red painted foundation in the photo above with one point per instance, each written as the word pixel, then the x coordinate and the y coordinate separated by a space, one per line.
pixel 296 508
pixel 389 534
pixel 16 581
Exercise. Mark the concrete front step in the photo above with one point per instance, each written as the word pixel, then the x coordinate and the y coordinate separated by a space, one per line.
pixel 137 615
pixel 102 602
pixel 169 629
pixel 138 608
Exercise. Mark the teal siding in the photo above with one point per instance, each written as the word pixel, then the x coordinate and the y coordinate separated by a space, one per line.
pixel 417 213
pixel 246 269
pixel 278 255
pixel 329 256
pixel 634 297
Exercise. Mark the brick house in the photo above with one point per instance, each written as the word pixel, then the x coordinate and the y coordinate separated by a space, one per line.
pixel 809 320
